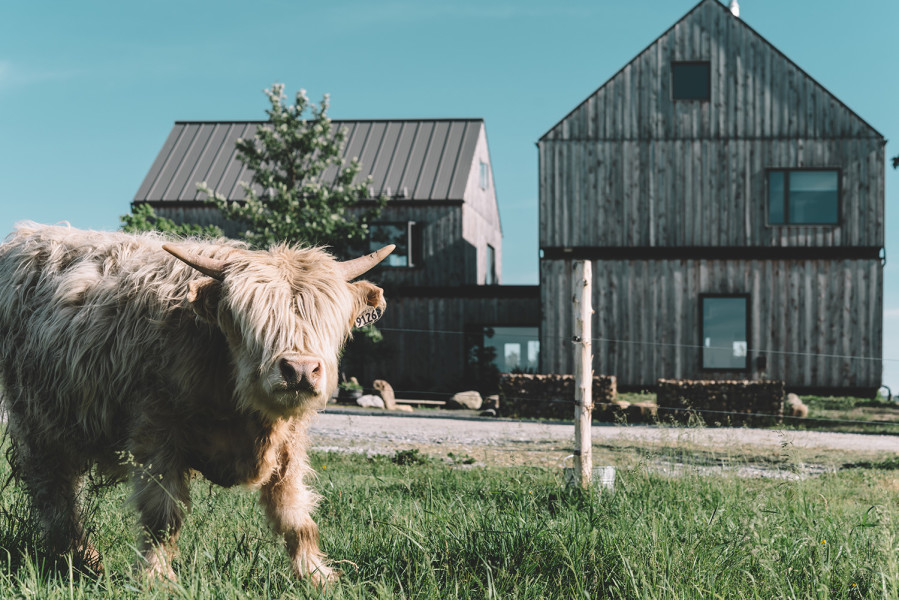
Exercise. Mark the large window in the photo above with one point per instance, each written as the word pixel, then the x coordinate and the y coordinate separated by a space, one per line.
pixel 404 235
pixel 509 349
pixel 803 197
pixel 725 333
pixel 691 80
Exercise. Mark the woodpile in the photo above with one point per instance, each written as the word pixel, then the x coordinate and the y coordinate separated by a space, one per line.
pixel 549 396
pixel 735 402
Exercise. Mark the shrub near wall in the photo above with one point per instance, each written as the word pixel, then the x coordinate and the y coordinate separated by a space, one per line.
pixel 722 402
pixel 550 396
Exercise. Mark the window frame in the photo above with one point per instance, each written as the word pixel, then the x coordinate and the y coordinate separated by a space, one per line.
pixel 786 198
pixel 747 367
pixel 677 63
pixel 412 231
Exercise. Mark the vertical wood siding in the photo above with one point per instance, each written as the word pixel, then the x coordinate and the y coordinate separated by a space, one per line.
pixel 817 322
pixel 699 192
pixel 448 257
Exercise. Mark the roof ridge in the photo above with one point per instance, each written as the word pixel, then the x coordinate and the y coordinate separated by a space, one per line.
pixel 388 120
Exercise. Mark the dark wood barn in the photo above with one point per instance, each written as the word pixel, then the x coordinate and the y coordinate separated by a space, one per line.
pixel 733 210
pixel 445 304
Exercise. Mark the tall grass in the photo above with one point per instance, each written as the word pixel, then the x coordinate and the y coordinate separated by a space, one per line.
pixel 426 529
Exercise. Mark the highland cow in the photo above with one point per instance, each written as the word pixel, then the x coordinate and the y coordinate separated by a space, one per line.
pixel 152 359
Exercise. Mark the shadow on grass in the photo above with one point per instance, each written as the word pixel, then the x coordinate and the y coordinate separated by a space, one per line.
pixel 890 464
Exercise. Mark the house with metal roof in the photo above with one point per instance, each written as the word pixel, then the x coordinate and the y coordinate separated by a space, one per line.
pixel 445 304
pixel 733 212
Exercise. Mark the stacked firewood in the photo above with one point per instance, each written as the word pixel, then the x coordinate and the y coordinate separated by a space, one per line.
pixel 753 403
pixel 549 396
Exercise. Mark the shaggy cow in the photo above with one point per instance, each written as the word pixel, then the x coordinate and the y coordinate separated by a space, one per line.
pixel 153 360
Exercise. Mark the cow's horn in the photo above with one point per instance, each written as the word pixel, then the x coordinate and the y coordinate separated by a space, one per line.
pixel 356 267
pixel 207 266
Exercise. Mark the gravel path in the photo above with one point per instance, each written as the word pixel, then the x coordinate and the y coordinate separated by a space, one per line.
pixel 360 431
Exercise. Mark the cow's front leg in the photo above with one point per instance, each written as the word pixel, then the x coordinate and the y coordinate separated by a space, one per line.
pixel 289 504
pixel 162 496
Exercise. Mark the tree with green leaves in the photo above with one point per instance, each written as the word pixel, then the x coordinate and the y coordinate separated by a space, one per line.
pixel 143 218
pixel 286 198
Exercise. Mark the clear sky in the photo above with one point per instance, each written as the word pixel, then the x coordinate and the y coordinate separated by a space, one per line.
pixel 89 90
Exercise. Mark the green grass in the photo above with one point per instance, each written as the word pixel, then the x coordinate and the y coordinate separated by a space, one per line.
pixel 427 529
pixel 852 415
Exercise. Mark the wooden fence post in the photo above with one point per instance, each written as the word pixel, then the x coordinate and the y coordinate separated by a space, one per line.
pixel 582 285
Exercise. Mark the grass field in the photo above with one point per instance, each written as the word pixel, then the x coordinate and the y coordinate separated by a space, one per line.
pixel 410 526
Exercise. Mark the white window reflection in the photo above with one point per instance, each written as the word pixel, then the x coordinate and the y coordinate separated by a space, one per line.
pixel 517 349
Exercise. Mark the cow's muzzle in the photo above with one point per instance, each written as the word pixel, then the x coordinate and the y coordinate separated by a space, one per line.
pixel 301 374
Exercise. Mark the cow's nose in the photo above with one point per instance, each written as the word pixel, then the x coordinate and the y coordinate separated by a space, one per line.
pixel 301 372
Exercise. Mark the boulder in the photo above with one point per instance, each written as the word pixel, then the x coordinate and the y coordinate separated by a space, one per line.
pixel 370 401
pixel 385 391
pixel 470 400
pixel 491 402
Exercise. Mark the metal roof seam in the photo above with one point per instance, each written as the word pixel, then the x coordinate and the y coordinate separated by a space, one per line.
pixel 162 167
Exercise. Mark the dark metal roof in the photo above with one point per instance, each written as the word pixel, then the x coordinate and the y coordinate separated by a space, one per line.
pixel 428 159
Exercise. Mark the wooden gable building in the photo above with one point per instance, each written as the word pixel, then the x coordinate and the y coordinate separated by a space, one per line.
pixel 733 211
pixel 442 282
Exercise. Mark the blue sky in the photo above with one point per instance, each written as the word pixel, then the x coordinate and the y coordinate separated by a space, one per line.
pixel 89 90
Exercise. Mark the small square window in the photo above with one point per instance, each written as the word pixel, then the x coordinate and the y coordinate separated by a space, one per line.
pixel 725 341
pixel 803 197
pixel 691 80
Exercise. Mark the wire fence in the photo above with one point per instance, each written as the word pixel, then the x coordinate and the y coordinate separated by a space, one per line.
pixel 660 344
pixel 422 394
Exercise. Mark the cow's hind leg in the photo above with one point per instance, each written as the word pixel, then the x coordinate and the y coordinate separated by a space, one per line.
pixel 162 497
pixel 53 478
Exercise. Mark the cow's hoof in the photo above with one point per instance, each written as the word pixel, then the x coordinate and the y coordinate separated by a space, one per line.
pixel 323 576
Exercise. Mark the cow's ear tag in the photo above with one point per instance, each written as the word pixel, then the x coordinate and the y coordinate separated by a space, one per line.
pixel 369 316
pixel 374 306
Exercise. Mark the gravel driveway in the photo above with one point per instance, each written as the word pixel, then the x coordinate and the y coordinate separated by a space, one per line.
pixel 532 442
